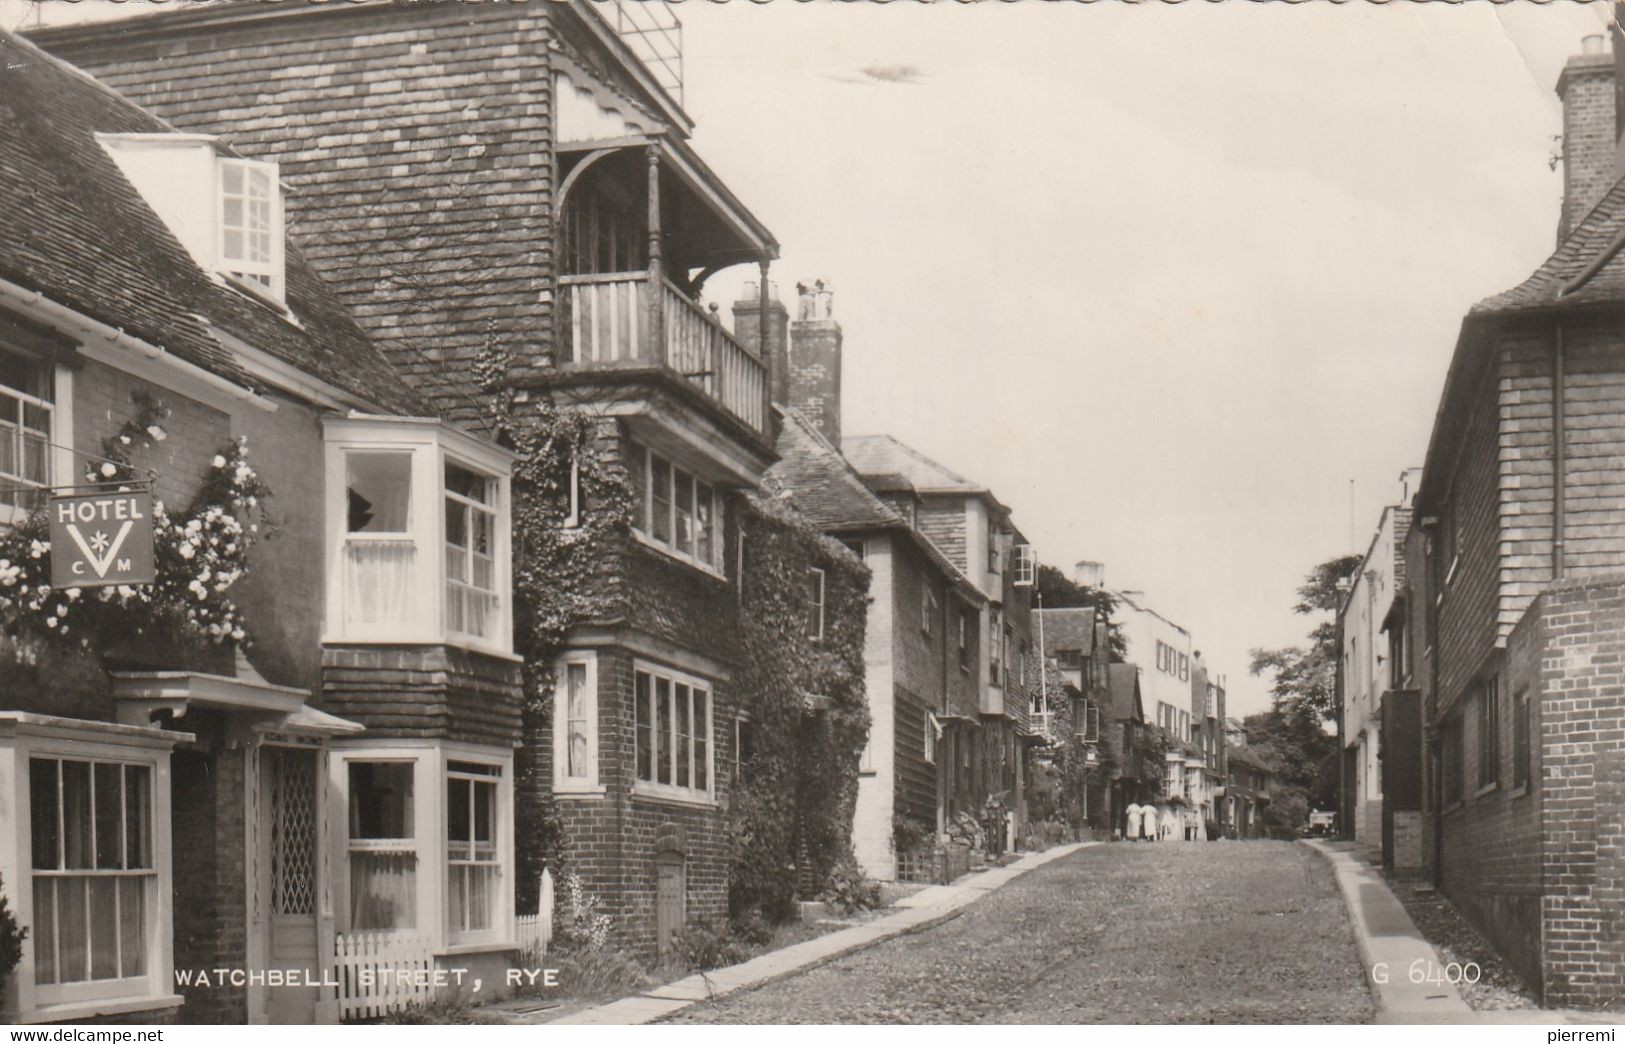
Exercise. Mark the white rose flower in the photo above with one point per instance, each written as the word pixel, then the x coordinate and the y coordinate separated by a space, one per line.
pixel 218 461
pixel 158 434
pixel 109 469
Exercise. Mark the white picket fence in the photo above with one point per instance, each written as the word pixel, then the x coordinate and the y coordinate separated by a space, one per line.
pixel 381 972
pixel 533 932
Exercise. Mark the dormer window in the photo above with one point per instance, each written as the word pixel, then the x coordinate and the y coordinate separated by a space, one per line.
pixel 417 535
pixel 226 211
pixel 251 225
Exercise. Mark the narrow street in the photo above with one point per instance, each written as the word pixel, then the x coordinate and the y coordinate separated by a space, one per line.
pixel 1251 932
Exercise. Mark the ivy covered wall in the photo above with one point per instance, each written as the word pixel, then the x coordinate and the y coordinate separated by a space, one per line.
pixel 809 717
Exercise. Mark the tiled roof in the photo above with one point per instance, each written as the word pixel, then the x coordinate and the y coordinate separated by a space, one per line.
pixel 826 489
pixel 1068 630
pixel 1587 267
pixel 821 484
pixel 885 455
pixel 79 233
pixel 1125 688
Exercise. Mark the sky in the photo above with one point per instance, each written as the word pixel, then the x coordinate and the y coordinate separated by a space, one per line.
pixel 1179 283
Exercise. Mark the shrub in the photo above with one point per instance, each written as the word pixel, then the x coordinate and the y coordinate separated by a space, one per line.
pixel 601 972
pixel 702 947
pixel 849 888
pixel 751 928
pixel 451 1012
pixel 11 941
pixel 910 834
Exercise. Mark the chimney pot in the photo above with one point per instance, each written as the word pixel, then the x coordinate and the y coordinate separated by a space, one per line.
pixel 1089 574
pixel 1591 44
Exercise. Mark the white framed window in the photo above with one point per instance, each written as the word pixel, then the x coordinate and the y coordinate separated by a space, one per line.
pixel 250 223
pixel 94 873
pixel 418 535
pixel 28 397
pixel 428 840
pixel 677 512
pixel 672 738
pixel 933 732
pixel 1025 565
pixel 473 853
pixel 382 847
pixel 815 604
pixel 89 872
pixel 928 610
pixel 995 648
pixel 744 745
pixel 575 724
pixel 964 639
pixel 471 546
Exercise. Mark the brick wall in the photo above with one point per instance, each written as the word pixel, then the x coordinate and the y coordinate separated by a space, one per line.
pixel 210 878
pixel 1581 779
pixel 815 374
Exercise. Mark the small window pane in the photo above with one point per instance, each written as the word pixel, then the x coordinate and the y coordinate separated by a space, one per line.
pixel 685 512
pixel 76 824
pixel 645 736
pixel 702 741
pixel 380 492
pixel 458 825
pixel 132 913
pixel 109 816
pixel 103 927
pixel 685 737
pixel 660 501
pixel 466 483
pixel 43 930
pixel 380 799
pixel 485 814
pixel 578 726
pixel 43 823
pixel 707 545
pixel 640 487
pixel 663 725
pixel 73 924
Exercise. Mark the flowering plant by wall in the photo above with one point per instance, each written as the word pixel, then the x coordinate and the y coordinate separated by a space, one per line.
pixel 199 554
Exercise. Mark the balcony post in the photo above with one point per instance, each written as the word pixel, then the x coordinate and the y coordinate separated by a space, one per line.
pixel 657 287
pixel 764 346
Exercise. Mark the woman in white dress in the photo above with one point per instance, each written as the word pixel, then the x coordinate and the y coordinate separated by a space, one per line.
pixel 1133 811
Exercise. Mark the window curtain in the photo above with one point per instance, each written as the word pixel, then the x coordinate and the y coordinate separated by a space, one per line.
pixel 378 588
pixel 383 890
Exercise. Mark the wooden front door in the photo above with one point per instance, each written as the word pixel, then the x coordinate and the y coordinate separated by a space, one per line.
pixel 671 898
pixel 289 827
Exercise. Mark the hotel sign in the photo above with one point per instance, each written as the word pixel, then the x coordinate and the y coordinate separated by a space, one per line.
pixel 101 539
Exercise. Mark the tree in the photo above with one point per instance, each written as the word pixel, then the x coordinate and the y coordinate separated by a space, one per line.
pixel 1293 733
pixel 1058 591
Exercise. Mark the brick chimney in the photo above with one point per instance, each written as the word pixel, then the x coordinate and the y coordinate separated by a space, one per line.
pixel 748 332
pixel 1590 132
pixel 815 360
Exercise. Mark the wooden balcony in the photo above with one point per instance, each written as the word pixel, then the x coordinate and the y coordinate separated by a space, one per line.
pixel 611 322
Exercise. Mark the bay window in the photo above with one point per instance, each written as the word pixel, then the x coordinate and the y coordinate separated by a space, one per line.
pixel 672 738
pixel 418 534
pixel 675 510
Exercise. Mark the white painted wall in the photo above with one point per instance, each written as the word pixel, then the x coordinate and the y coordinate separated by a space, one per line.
pixel 877 789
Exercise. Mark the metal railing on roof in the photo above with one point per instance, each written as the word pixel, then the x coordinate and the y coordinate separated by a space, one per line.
pixel 655 35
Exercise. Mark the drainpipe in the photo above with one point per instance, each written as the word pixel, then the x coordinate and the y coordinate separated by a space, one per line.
pixel 1559 453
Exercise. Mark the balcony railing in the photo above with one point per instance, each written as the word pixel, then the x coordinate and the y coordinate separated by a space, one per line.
pixel 610 322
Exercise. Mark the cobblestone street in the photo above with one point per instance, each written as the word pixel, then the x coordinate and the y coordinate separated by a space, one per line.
pixel 1223 932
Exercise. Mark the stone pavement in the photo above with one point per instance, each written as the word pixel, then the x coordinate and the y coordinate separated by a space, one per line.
pixel 919 911
pixel 1389 940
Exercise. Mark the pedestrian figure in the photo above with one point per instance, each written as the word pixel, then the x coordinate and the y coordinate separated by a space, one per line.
pixel 1151 818
pixel 1134 812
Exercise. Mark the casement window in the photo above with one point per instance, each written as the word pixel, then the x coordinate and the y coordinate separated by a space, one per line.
pixel 473 870
pixel 250 225
pixel 1521 739
pixel 1091 723
pixel 575 724
pixel 27 409
pixel 964 640
pixel 1184 667
pixel 928 610
pixel 95 876
pixel 815 604
pixel 672 738
pixel 1025 565
pixel 418 523
pixel 992 550
pixel 1489 732
pixel 933 732
pixel 383 850
pixel 677 512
